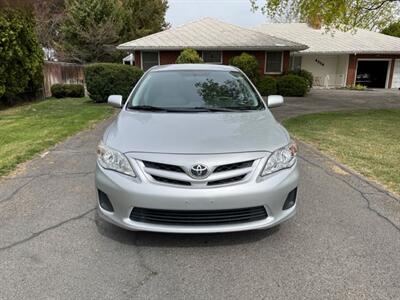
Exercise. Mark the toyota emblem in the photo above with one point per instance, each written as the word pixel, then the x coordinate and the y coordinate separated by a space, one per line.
pixel 199 170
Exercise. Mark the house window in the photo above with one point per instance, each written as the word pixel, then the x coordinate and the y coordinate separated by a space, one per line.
pixel 295 63
pixel 273 62
pixel 212 57
pixel 149 59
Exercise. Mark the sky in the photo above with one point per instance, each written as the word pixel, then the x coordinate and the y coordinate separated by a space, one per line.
pixel 233 11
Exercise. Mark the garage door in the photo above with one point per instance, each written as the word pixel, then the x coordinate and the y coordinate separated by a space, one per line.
pixel 396 75
pixel 372 73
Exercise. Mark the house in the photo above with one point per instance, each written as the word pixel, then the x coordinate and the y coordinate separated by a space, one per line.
pixel 339 58
pixel 336 59
pixel 217 42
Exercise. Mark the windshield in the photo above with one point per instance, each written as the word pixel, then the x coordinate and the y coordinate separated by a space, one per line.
pixel 190 90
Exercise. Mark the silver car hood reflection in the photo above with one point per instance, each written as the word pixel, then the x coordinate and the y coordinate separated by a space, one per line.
pixel 195 133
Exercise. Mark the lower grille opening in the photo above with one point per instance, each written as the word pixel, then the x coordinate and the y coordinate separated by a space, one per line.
pixel 198 217
pixel 170 181
pixel 105 202
pixel 226 180
pixel 290 199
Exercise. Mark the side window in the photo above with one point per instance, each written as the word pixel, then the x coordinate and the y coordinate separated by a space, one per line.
pixel 213 57
pixel 273 62
pixel 295 63
pixel 149 59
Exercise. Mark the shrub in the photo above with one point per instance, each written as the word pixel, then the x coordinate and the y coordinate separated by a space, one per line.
pixel 248 64
pixel 59 90
pixel 105 79
pixel 267 86
pixel 21 56
pixel 292 85
pixel 305 74
pixel 189 56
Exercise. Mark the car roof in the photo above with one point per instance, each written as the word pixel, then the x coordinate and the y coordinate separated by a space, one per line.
pixel 193 67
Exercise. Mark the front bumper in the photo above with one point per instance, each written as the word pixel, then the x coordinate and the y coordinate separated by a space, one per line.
pixel 125 193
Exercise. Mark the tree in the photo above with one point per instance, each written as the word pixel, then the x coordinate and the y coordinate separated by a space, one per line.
pixel 49 15
pixel 393 29
pixel 141 18
pixel 21 56
pixel 342 14
pixel 90 29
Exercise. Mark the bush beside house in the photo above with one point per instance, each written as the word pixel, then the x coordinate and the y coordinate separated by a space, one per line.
pixel 189 56
pixel 60 90
pixel 105 79
pixel 292 86
pixel 305 74
pixel 248 64
pixel 267 86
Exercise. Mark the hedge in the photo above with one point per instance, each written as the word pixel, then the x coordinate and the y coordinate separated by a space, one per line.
pixel 267 86
pixel 60 90
pixel 105 79
pixel 248 64
pixel 305 74
pixel 292 85
pixel 189 56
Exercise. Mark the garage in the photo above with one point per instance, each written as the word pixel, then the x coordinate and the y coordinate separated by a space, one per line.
pixel 372 73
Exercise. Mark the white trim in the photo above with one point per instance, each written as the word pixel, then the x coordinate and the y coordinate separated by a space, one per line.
pixel 375 59
pixel 141 58
pixel 265 64
pixel 214 63
pixel 347 70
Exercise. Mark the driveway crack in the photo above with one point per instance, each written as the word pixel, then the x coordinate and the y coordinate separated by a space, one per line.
pixel 16 191
pixel 36 234
pixel 33 177
pixel 363 194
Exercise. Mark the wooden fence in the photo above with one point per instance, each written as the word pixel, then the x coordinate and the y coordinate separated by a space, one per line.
pixel 61 72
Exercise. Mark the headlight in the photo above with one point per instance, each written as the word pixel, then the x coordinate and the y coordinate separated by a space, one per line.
pixel 281 158
pixel 113 160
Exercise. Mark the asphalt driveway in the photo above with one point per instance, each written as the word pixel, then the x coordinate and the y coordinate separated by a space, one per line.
pixel 335 100
pixel 343 243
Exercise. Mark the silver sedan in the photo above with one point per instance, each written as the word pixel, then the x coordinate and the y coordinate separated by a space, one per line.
pixel 195 150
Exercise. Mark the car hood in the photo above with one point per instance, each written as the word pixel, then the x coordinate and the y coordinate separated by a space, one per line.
pixel 195 133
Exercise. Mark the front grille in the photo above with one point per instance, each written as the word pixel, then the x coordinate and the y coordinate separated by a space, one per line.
pixel 170 181
pixel 198 217
pixel 179 175
pixel 226 180
pixel 234 166
pixel 164 167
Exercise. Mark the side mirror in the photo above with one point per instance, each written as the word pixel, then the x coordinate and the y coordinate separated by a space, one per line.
pixel 275 101
pixel 115 100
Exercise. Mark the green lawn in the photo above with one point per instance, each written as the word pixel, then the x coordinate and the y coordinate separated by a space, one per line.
pixel 367 141
pixel 29 129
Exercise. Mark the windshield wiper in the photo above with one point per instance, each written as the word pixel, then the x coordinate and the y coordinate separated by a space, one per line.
pixel 188 109
pixel 212 109
pixel 147 107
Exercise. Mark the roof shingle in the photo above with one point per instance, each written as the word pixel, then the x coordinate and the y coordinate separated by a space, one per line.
pixel 337 42
pixel 210 34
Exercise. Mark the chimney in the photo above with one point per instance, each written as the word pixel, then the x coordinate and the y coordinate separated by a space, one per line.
pixel 315 21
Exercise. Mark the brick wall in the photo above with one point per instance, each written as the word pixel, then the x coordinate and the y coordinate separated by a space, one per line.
pixel 169 57
pixel 138 59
